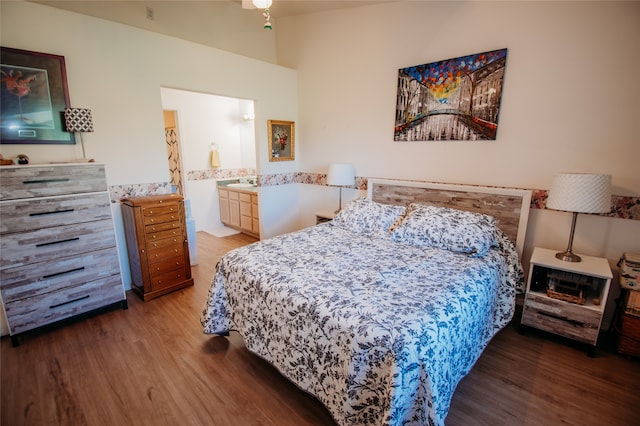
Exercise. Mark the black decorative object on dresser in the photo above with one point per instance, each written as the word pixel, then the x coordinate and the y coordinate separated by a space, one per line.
pixel 59 257
pixel 156 233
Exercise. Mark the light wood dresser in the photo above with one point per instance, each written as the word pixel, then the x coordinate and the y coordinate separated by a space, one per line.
pixel 59 257
pixel 156 233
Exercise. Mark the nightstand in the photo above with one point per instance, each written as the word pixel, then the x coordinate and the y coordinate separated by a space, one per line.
pixel 325 216
pixel 567 298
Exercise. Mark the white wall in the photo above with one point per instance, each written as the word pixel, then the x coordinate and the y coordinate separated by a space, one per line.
pixel 118 71
pixel 568 104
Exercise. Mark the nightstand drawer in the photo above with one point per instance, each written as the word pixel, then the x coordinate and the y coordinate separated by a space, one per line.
pixel 32 312
pixel 22 216
pixel 35 279
pixel 44 181
pixel 563 318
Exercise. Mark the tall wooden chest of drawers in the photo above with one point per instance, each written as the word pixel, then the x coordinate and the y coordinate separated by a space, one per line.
pixel 59 257
pixel 156 233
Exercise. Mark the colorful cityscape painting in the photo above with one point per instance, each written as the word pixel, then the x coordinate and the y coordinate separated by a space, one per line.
pixel 451 100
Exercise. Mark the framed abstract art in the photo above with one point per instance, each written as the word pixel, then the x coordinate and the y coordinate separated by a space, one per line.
pixel 452 99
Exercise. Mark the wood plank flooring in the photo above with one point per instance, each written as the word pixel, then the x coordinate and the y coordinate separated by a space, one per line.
pixel 152 365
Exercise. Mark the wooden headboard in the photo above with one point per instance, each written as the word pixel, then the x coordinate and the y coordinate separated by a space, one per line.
pixel 510 207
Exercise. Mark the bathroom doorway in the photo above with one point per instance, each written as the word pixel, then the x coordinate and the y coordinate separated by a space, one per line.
pixel 203 121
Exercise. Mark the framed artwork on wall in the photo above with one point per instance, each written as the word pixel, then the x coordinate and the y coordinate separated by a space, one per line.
pixel 33 97
pixel 281 140
pixel 454 99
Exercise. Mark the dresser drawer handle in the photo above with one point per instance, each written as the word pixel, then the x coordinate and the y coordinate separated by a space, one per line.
pixel 57 242
pixel 26 182
pixel 69 301
pixel 57 211
pixel 63 272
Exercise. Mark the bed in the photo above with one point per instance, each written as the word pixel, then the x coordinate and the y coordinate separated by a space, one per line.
pixel 381 312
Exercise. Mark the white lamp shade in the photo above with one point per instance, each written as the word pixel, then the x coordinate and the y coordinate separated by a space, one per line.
pixel 581 193
pixel 341 174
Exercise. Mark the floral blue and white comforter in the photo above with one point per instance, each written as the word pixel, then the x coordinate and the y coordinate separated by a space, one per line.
pixel 380 332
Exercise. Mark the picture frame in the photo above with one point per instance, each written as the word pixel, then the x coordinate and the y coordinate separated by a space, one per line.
pixel 281 140
pixel 455 99
pixel 33 96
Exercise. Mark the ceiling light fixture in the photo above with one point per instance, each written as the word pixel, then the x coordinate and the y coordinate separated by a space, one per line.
pixel 264 4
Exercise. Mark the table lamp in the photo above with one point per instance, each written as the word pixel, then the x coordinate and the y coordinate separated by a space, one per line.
pixel 341 174
pixel 78 120
pixel 579 193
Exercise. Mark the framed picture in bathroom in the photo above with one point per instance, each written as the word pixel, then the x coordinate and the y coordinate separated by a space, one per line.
pixel 281 140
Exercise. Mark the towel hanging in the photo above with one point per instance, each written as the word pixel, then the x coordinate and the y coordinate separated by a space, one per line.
pixel 214 156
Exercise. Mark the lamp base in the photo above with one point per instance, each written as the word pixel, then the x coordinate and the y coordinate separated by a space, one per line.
pixel 568 256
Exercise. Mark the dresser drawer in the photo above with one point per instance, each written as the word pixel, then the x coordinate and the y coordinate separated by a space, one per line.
pixel 32 312
pixel 562 318
pixel 42 181
pixel 150 229
pixel 165 251
pixel 35 279
pixel 161 218
pixel 172 264
pixel 175 234
pixel 31 214
pixel 53 243
pixel 169 279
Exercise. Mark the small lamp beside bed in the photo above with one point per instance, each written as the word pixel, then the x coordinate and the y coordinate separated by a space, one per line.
pixel 341 174
pixel 579 193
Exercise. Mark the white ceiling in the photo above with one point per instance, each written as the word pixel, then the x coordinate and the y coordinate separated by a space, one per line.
pixel 279 8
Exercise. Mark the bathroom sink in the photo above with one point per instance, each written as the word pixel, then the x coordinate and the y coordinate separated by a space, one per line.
pixel 239 185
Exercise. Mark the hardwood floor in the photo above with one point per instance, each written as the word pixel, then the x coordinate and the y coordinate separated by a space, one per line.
pixel 151 364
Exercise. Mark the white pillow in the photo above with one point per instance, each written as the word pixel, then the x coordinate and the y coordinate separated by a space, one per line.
pixel 446 228
pixel 369 217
